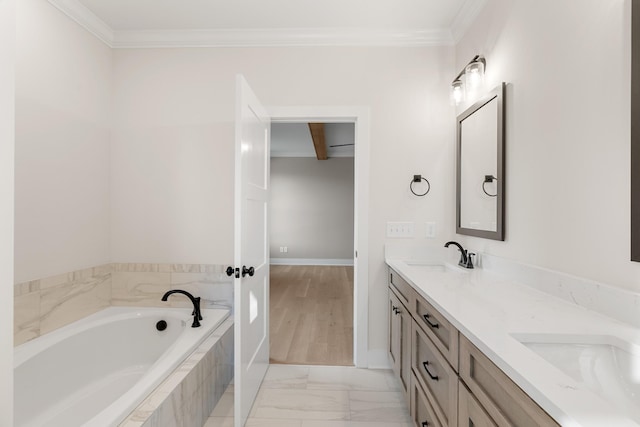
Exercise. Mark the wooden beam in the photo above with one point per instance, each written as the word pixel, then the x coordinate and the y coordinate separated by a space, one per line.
pixel 317 135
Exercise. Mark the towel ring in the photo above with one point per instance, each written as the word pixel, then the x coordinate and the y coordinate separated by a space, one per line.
pixel 419 178
pixel 489 179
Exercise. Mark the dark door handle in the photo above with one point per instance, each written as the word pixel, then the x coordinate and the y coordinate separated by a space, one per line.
pixel 231 271
pixel 425 423
pixel 426 319
pixel 433 377
pixel 248 271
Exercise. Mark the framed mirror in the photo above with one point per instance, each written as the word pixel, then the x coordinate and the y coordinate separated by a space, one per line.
pixel 480 168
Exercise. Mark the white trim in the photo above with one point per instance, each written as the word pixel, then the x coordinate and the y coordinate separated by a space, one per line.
pixel 360 117
pixel 130 39
pixel 467 16
pixel 280 38
pixel 7 192
pixel 87 19
pixel 310 261
pixel 379 359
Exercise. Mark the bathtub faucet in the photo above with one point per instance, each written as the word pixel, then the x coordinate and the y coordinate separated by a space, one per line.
pixel 197 316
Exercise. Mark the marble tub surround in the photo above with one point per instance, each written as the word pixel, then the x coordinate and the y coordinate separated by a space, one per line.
pixel 488 308
pixel 47 304
pixel 192 391
pixel 144 284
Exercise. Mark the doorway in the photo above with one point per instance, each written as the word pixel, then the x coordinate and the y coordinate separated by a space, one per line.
pixel 359 117
pixel 312 243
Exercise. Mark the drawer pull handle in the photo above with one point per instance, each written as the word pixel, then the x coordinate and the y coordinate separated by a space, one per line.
pixel 426 319
pixel 395 309
pixel 433 377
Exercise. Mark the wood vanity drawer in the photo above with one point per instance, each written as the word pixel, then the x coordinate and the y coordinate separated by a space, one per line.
pixel 470 412
pixel 439 380
pixel 503 400
pixel 403 290
pixel 443 334
pixel 422 412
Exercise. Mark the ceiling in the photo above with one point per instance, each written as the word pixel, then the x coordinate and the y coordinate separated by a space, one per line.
pixel 130 23
pixel 294 140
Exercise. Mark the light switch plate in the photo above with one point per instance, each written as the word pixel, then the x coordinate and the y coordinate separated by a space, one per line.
pixel 400 230
pixel 430 230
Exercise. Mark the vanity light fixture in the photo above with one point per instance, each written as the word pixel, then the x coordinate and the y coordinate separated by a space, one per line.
pixel 469 81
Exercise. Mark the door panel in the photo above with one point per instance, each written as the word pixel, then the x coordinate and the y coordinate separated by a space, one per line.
pixel 251 249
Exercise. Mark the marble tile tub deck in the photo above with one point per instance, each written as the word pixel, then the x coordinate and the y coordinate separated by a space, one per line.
pixel 321 396
pixel 194 389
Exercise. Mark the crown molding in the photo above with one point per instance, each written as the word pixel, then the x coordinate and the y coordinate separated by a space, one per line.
pixel 463 20
pixel 280 38
pixel 87 19
pixel 249 37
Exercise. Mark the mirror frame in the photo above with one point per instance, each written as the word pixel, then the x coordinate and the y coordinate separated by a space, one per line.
pixel 498 94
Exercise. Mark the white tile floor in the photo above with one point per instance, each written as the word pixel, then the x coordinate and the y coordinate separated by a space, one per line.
pixel 319 396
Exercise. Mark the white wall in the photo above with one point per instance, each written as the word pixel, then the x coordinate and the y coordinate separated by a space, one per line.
pixel 172 156
pixel 311 207
pixel 568 133
pixel 63 112
pixel 7 125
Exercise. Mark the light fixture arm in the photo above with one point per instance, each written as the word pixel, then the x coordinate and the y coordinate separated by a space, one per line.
pixel 477 58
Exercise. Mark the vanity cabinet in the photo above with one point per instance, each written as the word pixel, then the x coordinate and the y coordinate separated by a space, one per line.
pixel 448 381
pixel 426 359
pixel 502 399
pixel 399 339
pixel 437 378
pixel 470 412
pixel 422 413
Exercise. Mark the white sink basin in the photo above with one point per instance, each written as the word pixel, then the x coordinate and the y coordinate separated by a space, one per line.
pixel 427 266
pixel 436 267
pixel 606 365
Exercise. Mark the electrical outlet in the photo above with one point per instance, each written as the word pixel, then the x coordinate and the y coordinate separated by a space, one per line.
pixel 286 249
pixel 400 230
pixel 429 230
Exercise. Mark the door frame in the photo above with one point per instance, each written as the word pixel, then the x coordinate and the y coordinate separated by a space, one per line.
pixel 360 117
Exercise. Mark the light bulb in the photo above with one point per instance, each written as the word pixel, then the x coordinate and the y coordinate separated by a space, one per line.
pixel 474 77
pixel 457 92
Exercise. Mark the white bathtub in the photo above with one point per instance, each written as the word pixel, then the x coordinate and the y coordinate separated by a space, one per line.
pixel 95 371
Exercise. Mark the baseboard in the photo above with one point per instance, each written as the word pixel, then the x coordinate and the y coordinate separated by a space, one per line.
pixel 310 261
pixel 379 359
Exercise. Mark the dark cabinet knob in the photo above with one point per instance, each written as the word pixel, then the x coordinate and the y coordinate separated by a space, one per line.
pixel 248 271
pixel 230 270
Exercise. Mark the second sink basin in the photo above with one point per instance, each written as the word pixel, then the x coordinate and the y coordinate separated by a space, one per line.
pixel 606 365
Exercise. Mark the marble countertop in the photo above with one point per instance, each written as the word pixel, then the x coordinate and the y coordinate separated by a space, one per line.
pixel 488 309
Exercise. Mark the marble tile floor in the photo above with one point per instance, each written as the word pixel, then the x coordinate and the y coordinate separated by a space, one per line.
pixel 321 396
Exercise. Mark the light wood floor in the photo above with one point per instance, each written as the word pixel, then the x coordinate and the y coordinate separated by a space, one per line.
pixel 311 315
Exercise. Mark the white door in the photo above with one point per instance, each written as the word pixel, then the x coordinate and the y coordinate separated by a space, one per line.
pixel 253 128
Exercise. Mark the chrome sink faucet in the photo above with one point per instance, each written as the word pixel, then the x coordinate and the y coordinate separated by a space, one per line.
pixel 197 316
pixel 466 259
